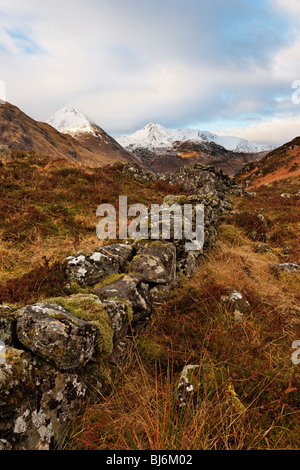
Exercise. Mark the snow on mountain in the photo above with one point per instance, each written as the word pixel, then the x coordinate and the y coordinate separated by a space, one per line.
pixel 154 136
pixel 70 121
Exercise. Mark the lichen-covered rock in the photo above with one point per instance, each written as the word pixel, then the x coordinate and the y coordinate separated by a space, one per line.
pixel 55 334
pixel 133 169
pixel 37 402
pixel 206 181
pixel 289 268
pixel 89 308
pixel 150 268
pixel 132 288
pixel 237 304
pixel 7 325
pixel 89 269
pixel 120 314
pixel 262 248
pixel 165 252
pixel 188 384
pixel 160 293
pixel 172 199
pixel 5 445
pixel 188 262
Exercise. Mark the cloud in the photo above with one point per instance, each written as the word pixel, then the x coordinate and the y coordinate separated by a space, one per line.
pixel 126 63
pixel 276 130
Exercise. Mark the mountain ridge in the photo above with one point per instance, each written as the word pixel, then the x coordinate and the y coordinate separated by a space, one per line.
pixel 18 131
pixel 280 164
pixel 156 136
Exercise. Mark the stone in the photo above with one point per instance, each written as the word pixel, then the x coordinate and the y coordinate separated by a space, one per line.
pixel 166 253
pixel 289 268
pixel 89 269
pixel 188 384
pixel 50 331
pixel 160 293
pixel 172 199
pixel 150 268
pixel 262 248
pixel 7 325
pixel 5 445
pixel 132 288
pixel 37 402
pixel 189 263
pixel 237 304
pixel 133 169
pixel 120 315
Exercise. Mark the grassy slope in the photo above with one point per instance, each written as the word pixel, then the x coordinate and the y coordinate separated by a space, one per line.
pixel 280 164
pixel 194 327
pixel 48 210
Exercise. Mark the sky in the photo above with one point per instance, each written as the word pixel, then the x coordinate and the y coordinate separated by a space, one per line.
pixel 227 66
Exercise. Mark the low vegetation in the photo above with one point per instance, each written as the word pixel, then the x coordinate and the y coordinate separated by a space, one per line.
pixel 251 398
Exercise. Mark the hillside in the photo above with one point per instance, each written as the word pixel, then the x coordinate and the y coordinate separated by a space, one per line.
pixel 20 132
pixel 190 152
pixel 235 318
pixel 165 150
pixel 279 164
pixel 70 122
pixel 154 136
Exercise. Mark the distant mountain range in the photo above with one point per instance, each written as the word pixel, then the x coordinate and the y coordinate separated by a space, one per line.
pixel 72 135
pixel 165 150
pixel 154 136
pixel 91 146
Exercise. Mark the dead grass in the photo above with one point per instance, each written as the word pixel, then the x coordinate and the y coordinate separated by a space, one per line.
pixel 193 325
pixel 48 209
pixel 48 212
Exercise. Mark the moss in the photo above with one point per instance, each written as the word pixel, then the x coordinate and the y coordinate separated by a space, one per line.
pixel 232 401
pixel 136 241
pixel 18 381
pixel 75 288
pixel 170 200
pixel 129 310
pixel 88 308
pixel 212 379
pixel 151 350
pixel 109 280
pixel 230 234
pixel 95 375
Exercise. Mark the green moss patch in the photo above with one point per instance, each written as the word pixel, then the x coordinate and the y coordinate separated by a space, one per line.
pixel 88 308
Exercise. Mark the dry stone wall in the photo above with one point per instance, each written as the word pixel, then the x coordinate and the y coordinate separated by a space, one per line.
pixel 55 350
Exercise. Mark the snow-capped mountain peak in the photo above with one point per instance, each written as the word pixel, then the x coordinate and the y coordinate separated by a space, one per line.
pixel 155 136
pixel 70 121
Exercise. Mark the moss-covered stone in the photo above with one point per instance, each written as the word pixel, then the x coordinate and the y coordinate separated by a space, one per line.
pixel 109 280
pixel 89 308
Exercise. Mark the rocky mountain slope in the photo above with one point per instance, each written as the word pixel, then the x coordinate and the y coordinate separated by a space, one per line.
pixel 20 132
pixel 154 136
pixel 188 153
pixel 281 163
pixel 165 150
pixel 69 121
